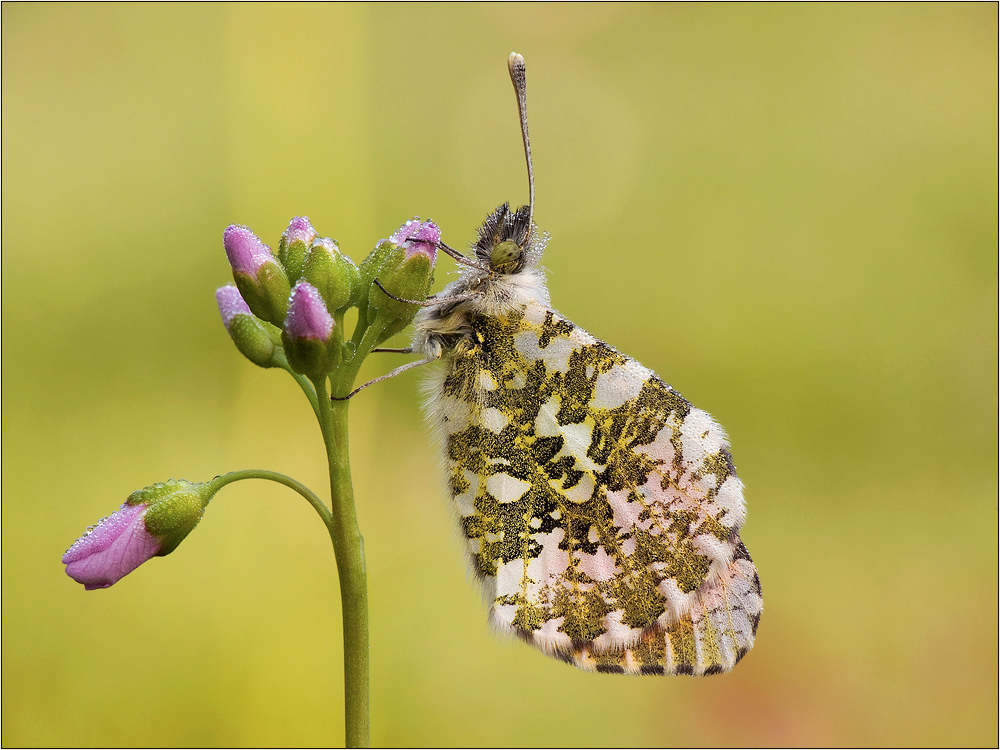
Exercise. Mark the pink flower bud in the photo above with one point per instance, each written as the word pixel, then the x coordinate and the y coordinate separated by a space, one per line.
pixel 259 276
pixel 116 546
pixel 231 304
pixel 308 317
pixel 246 253
pixel 152 522
pixel 299 228
pixel 308 335
pixel 418 237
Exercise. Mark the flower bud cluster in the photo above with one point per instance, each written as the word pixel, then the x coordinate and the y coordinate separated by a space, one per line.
pixel 284 309
pixel 287 308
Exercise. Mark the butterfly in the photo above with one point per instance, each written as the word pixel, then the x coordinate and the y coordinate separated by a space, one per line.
pixel 600 510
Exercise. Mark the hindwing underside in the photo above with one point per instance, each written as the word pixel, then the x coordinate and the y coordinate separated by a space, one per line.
pixel 600 508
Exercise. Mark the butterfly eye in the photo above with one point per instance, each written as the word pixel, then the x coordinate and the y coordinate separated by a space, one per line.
pixel 505 256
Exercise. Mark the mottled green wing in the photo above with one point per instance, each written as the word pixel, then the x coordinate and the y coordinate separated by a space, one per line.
pixel 601 509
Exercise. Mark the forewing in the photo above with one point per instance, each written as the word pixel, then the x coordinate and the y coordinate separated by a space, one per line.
pixel 601 509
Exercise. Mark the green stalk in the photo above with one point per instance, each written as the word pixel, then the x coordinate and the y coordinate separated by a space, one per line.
pixel 349 551
pixel 348 547
pixel 234 476
pixel 341 522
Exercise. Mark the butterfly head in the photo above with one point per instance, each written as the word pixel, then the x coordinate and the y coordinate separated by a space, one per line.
pixel 508 241
pixel 502 274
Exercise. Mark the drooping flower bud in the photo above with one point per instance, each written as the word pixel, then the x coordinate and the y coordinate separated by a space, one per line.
pixel 151 523
pixel 404 266
pixel 293 246
pixel 308 332
pixel 257 273
pixel 333 274
pixel 254 338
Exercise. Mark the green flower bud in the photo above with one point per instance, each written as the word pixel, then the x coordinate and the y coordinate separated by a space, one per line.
pixel 255 339
pixel 406 271
pixel 384 253
pixel 335 276
pixel 173 509
pixel 293 246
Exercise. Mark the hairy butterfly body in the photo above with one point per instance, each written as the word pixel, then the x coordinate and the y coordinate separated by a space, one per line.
pixel 600 509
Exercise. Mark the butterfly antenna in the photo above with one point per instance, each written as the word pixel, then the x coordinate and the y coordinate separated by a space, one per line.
pixel 515 64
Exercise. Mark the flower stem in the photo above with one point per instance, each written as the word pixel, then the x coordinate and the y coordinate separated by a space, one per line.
pixel 349 551
pixel 234 476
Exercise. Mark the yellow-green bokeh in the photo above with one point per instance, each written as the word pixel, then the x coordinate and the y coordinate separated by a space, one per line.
pixel 789 212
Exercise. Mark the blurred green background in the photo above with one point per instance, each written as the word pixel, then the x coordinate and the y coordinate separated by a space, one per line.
pixel 789 212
